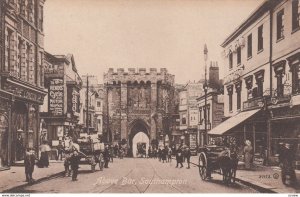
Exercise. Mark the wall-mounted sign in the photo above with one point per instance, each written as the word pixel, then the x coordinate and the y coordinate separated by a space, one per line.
pixel 53 69
pixel 56 96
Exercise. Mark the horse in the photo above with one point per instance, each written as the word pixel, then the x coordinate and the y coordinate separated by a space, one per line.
pixel 228 162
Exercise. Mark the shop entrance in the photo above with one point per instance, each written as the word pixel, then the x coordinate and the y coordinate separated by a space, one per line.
pixel 3 141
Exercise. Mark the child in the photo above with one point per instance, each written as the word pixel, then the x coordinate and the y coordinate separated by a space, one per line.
pixel 29 163
pixel 74 161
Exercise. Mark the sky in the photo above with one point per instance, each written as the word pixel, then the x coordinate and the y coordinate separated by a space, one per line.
pixel 170 34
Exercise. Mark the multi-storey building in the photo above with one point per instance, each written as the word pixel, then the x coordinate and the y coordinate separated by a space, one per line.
pixel 60 111
pixel 188 112
pixel 21 76
pixel 138 106
pixel 95 103
pixel 261 83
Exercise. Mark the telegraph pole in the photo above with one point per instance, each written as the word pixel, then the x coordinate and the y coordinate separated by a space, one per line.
pixel 87 104
pixel 205 86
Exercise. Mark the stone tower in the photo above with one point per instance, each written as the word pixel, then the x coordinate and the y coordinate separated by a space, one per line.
pixel 137 101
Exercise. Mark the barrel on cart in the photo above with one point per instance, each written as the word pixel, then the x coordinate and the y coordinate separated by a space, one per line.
pixel 217 159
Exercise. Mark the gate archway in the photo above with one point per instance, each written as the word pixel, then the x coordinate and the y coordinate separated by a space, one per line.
pixel 139 136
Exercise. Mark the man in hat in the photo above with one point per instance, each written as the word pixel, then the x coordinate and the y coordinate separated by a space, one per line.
pixel 74 162
pixel 29 163
pixel 188 156
pixel 286 159
pixel 106 156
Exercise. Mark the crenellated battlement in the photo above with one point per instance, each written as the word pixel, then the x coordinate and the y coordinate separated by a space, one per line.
pixel 138 75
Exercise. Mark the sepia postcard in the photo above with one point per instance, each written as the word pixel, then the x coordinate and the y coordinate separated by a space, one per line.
pixel 149 96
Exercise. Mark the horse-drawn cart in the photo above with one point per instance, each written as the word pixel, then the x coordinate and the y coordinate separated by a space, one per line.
pixel 217 159
pixel 89 151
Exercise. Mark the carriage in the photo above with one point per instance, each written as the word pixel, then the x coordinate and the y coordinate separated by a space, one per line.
pixel 218 159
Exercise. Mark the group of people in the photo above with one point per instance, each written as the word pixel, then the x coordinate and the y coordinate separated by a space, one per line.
pixel 164 155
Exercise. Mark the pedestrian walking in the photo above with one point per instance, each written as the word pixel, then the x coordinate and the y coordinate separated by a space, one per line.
pixel 169 155
pixel 60 150
pixel 44 159
pixel 106 156
pixel 248 154
pixel 286 159
pixel 188 156
pixel 111 153
pixel 74 162
pixel 164 153
pixel 29 163
pixel 179 158
pixel 149 152
pixel 159 154
pixel 101 161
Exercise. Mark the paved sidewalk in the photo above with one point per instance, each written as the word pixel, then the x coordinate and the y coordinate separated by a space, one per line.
pixel 15 177
pixel 263 177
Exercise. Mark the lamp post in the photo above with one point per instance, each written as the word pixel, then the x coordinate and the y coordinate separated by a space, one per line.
pixel 205 87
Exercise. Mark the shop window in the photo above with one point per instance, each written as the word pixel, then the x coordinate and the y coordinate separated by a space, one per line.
pixel 249 44
pixel 260 44
pixel 280 26
pixel 238 52
pixel 230 57
pixel 295 14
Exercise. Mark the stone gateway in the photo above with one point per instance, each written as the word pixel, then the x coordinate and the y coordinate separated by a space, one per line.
pixel 138 101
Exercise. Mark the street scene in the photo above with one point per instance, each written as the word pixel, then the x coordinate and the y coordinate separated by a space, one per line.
pixel 150 96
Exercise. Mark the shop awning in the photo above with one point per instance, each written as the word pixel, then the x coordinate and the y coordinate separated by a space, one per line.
pixel 232 122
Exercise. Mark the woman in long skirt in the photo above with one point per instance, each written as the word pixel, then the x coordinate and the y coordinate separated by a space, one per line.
pixel 248 154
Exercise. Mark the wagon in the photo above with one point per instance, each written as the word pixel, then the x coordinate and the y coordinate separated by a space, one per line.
pixel 89 151
pixel 215 159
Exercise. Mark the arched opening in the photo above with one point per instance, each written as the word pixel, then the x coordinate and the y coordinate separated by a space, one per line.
pixel 138 138
pixel 3 140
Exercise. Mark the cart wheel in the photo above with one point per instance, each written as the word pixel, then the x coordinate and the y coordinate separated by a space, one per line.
pixel 203 166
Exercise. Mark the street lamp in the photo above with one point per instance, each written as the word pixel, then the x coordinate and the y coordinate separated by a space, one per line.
pixel 205 87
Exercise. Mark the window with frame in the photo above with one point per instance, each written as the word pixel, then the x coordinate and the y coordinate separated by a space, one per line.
pixel 249 85
pixel 98 104
pixel 249 44
pixel 295 14
pixel 230 57
pixel 239 55
pixel 230 92
pixel 279 69
pixel 183 119
pixel 280 26
pixel 260 39
pixel 41 18
pixel 200 115
pixel 259 77
pixel 294 63
pixel 238 88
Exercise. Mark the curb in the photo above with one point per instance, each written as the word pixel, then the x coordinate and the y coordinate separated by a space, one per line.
pixel 18 189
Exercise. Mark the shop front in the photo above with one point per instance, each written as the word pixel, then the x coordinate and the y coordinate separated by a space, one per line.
pixel 285 128
pixel 247 125
pixel 19 120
